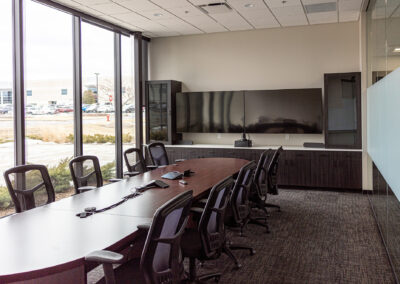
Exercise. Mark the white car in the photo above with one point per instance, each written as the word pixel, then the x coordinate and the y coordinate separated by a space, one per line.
pixel 106 108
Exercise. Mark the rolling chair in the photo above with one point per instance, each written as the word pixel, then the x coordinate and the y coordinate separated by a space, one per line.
pixel 23 198
pixel 161 261
pixel 207 241
pixel 239 202
pixel 135 162
pixel 258 193
pixel 272 173
pixel 82 177
pixel 158 154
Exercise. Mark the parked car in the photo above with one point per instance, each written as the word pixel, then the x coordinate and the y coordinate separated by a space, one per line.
pixel 64 108
pixel 92 108
pixel 85 106
pixel 44 109
pixel 3 109
pixel 128 108
pixel 108 107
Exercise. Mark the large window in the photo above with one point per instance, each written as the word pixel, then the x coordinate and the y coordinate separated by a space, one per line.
pixel 6 107
pixel 128 94
pixel 98 96
pixel 49 113
pixel 49 94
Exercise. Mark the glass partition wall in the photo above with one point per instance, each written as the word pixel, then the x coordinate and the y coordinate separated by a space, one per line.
pixel 52 129
pixel 383 58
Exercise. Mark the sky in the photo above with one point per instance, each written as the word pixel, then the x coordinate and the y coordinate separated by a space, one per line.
pixel 48 46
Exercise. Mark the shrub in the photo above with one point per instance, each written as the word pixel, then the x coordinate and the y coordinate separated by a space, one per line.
pixel 5 199
pixel 108 171
pixel 100 138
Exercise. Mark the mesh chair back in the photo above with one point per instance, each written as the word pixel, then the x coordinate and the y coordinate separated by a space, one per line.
pixel 241 191
pixel 36 178
pixel 260 174
pixel 161 261
pixel 272 172
pixel 134 160
pixel 158 154
pixel 85 171
pixel 211 224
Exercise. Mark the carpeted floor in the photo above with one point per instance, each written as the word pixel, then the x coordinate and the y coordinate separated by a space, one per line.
pixel 319 237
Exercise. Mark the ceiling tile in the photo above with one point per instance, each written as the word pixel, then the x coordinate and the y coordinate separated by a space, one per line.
pixel 254 5
pixel 232 21
pixel 90 11
pixel 348 16
pixel 261 19
pixel 110 8
pixel 323 18
pixel 69 3
pixel 311 2
pixel 171 3
pixel 350 5
pixel 157 15
pixel 205 2
pixel 92 2
pixel 138 5
pixel 290 16
pixel 185 11
pixel 205 24
pixel 278 3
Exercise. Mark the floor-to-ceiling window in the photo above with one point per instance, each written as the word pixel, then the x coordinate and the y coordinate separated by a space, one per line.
pixel 98 96
pixel 49 92
pixel 128 93
pixel 6 102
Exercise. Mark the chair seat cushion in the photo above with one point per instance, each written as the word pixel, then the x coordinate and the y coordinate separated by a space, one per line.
pixel 191 244
pixel 128 272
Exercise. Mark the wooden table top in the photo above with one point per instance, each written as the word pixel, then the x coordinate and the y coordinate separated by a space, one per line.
pixel 52 236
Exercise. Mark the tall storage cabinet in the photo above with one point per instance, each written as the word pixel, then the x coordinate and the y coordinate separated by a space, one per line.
pixel 161 112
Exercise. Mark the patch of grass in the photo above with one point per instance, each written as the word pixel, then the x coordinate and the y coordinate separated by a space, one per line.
pixel 5 199
pixel 100 138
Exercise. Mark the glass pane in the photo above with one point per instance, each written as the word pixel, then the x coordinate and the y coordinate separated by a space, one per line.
pixel 158 112
pixel 128 94
pixel 98 96
pixel 49 96
pixel 6 103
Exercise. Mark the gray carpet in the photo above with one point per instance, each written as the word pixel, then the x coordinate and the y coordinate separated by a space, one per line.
pixel 319 237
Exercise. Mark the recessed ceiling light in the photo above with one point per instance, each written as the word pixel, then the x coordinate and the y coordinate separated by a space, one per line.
pixel 249 5
pixel 396 49
pixel 157 15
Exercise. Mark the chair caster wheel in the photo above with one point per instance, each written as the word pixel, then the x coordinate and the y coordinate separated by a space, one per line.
pixel 238 266
pixel 253 252
pixel 217 278
pixel 202 264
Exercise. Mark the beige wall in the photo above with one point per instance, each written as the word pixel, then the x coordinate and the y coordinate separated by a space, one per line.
pixel 278 58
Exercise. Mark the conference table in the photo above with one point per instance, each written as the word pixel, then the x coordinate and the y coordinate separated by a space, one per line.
pixel 48 244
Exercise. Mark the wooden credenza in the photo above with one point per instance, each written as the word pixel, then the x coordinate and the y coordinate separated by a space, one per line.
pixel 319 168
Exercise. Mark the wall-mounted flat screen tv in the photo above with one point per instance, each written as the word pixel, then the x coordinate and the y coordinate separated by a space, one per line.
pixel 267 111
pixel 210 112
pixel 284 111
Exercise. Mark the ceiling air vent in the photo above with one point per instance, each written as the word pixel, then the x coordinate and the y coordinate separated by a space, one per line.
pixel 216 8
pixel 320 7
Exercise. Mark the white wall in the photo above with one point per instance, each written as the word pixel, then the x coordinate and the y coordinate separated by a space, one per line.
pixel 278 58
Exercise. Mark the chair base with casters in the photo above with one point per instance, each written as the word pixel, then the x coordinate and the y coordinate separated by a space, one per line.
pixel 192 249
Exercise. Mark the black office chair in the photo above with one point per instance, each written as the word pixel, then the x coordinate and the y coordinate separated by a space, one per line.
pixel 272 177
pixel 208 241
pixel 259 193
pixel 86 173
pixel 161 260
pixel 239 203
pixel 135 162
pixel 24 198
pixel 158 154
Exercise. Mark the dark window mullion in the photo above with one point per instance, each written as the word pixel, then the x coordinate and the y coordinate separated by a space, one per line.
pixel 118 105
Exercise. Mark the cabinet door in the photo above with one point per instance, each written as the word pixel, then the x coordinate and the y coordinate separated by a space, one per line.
pixel 321 169
pixel 158 112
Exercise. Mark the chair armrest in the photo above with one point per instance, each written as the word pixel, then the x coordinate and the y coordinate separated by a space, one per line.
pixel 105 256
pixel 131 174
pixel 151 167
pixel 115 179
pixel 196 210
pixel 85 188
pixel 144 227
